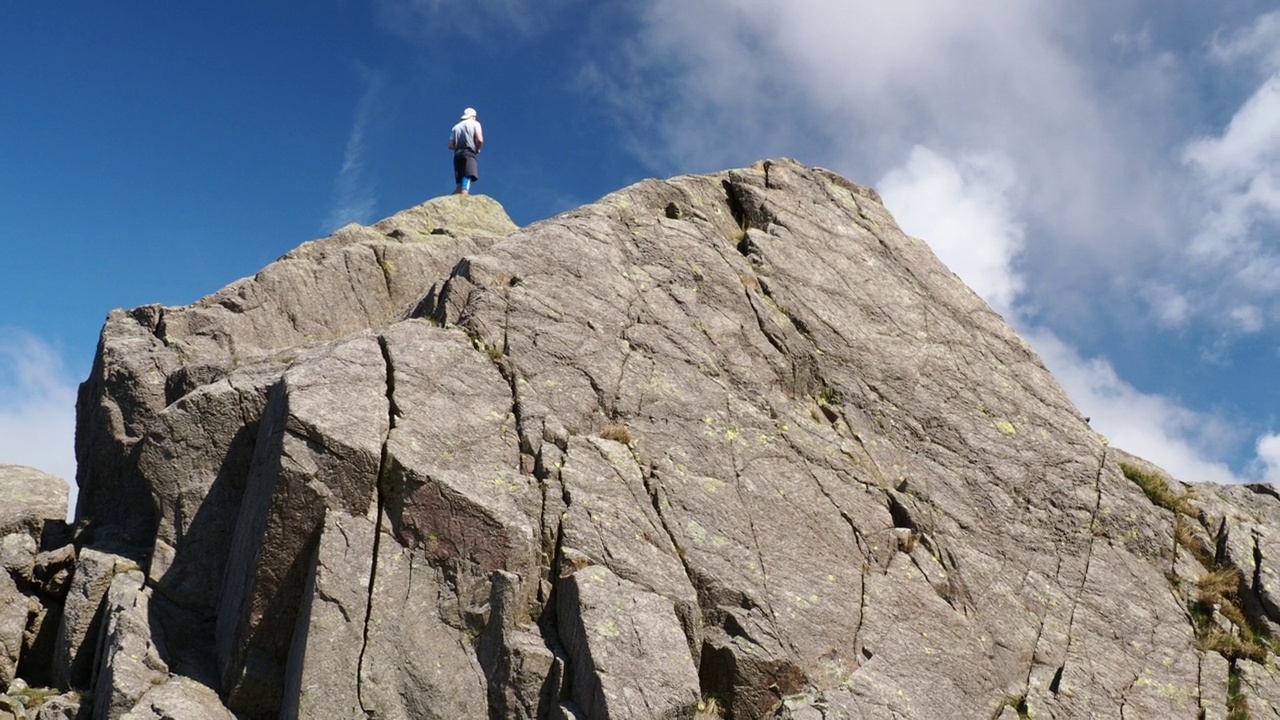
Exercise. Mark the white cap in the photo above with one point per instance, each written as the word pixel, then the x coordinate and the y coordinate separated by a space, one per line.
pixel 468 113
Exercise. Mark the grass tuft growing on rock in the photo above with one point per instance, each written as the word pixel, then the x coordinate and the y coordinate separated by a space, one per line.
pixel 1214 603
pixel 1218 585
pixel 1157 489
pixel 617 433
pixel 1237 702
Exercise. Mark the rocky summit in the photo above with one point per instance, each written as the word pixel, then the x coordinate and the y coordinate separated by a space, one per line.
pixel 719 446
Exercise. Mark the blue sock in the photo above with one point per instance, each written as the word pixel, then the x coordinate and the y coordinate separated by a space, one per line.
pixel 466 183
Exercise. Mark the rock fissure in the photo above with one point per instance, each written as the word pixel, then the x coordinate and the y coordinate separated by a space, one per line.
pixel 765 584
pixel 1088 560
pixel 548 622
pixel 380 257
pixel 384 469
pixel 1257 589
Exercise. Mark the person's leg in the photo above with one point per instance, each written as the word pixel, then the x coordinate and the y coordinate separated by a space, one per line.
pixel 459 169
pixel 470 172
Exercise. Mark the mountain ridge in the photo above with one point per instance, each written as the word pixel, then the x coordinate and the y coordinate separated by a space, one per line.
pixel 720 444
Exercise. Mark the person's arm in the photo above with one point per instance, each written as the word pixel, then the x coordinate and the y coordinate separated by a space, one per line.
pixel 451 145
pixel 479 138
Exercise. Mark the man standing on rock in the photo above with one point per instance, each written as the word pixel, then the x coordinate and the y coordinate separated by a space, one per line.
pixel 465 141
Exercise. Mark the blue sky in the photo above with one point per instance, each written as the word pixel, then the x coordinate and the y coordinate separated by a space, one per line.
pixel 1106 173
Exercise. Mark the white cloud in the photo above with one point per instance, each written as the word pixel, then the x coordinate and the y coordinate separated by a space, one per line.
pixel 1250 146
pixel 964 211
pixel 1268 463
pixel 855 85
pixel 1259 42
pixel 1235 249
pixel 1169 304
pixel 37 407
pixel 354 199
pixel 1148 425
pixel 1238 174
pixel 1249 318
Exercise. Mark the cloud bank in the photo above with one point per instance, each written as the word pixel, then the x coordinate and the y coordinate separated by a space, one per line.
pixel 37 406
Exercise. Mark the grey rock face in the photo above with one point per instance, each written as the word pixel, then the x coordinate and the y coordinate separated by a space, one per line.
pixel 153 356
pixel 13 622
pixel 129 657
pixel 83 614
pixel 728 441
pixel 29 498
pixel 179 698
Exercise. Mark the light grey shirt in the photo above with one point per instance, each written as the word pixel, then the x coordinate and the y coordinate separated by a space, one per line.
pixel 464 135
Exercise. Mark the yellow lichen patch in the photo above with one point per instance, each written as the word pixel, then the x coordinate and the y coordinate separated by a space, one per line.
pixel 610 629
pixel 1006 427
pixel 696 531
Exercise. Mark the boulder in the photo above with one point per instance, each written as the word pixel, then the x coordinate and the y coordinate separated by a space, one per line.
pixel 29 498
pixel 13 621
pixel 82 615
pixel 18 557
pixel 180 697
pixel 130 655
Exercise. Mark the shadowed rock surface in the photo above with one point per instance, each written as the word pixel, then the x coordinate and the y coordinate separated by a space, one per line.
pixel 728 445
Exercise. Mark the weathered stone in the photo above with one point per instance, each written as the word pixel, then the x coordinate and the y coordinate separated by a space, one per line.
pixel 59 707
pixel 419 660
pixel 180 697
pixel 730 438
pixel 319 447
pixel 18 556
pixel 628 652
pixel 525 677
pixel 29 498
pixel 39 640
pixel 152 356
pixel 453 486
pixel 81 622
pixel 11 709
pixel 13 621
pixel 53 569
pixel 323 675
pixel 196 461
pixel 129 658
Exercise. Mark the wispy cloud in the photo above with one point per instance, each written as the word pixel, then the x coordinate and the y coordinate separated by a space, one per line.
pixel 1149 425
pixel 1259 41
pixel 37 406
pixel 354 192
pixel 1240 170
pixel 1235 249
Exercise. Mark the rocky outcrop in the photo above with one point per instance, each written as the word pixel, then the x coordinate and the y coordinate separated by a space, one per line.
pixel 35 561
pixel 724 445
